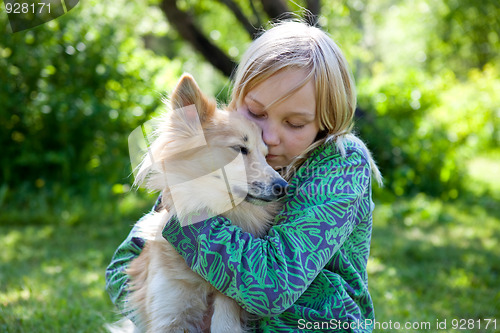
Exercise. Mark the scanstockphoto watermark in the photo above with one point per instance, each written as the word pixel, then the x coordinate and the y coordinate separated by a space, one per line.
pixel 170 160
pixel 142 137
pixel 462 324
pixel 335 324
pixel 26 14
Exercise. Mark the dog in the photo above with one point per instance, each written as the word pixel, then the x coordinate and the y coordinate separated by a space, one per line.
pixel 202 159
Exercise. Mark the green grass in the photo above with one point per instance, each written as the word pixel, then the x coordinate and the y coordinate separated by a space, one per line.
pixel 52 278
pixel 52 275
pixel 434 261
pixel 430 260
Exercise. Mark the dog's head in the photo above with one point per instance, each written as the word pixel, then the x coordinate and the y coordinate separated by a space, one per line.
pixel 207 158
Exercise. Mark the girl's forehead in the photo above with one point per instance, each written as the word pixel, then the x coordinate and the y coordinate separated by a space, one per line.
pixel 285 90
pixel 279 85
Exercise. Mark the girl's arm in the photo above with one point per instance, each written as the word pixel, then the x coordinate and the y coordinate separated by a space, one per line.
pixel 266 276
pixel 116 276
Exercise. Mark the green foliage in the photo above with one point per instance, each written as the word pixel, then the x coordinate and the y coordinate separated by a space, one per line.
pixel 423 129
pixel 427 100
pixel 413 153
pixel 467 34
pixel 469 108
pixel 71 92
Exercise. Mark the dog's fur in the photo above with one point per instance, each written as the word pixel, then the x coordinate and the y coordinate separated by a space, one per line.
pixel 166 295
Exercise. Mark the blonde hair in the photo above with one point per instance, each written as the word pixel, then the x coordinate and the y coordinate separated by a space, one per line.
pixel 294 44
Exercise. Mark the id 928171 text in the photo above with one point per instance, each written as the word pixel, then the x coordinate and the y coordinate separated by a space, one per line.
pixel 25 8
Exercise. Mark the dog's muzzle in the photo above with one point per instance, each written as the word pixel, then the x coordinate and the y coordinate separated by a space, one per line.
pixel 279 188
pixel 267 192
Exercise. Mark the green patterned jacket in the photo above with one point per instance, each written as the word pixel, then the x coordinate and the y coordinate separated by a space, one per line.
pixel 309 274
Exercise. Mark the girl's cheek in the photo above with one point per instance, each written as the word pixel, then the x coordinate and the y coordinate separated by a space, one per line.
pixel 244 112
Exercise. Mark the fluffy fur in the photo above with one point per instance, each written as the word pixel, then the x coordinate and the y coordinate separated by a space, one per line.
pixel 203 159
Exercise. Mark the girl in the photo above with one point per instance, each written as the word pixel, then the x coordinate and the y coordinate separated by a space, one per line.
pixel 309 273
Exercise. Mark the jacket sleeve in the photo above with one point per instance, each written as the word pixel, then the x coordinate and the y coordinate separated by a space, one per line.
pixel 116 276
pixel 267 275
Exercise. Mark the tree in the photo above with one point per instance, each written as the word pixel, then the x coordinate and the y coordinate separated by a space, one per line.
pixel 184 22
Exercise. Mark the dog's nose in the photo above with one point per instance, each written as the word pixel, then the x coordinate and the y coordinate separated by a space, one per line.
pixel 279 187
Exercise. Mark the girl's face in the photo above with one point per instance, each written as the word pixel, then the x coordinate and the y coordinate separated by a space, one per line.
pixel 288 127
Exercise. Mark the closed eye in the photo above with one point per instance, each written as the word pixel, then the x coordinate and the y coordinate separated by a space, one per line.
pixel 295 126
pixel 255 115
pixel 242 149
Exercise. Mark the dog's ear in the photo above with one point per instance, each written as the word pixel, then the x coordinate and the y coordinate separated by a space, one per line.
pixel 188 93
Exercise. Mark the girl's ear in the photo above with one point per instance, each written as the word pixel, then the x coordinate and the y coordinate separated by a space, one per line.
pixel 188 93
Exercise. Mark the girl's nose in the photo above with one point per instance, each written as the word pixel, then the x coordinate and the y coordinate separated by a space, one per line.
pixel 270 135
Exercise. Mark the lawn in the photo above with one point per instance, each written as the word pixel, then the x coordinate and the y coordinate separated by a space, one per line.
pixel 430 261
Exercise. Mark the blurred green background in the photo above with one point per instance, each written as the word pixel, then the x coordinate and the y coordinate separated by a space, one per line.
pixel 71 90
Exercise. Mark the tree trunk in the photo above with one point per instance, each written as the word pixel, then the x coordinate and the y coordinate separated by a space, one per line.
pixel 184 25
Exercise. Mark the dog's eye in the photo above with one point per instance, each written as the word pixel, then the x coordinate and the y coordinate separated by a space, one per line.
pixel 243 150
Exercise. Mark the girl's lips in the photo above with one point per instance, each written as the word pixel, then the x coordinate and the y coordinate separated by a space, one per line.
pixel 269 156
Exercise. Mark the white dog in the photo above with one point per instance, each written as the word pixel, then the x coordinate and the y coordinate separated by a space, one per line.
pixel 203 159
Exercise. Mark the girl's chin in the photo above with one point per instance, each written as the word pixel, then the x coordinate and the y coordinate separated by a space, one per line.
pixel 277 163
